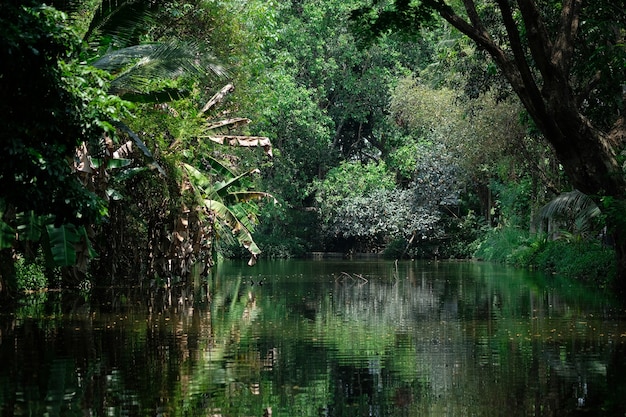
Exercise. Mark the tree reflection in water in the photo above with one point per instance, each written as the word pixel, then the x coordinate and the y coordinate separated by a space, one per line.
pixel 427 339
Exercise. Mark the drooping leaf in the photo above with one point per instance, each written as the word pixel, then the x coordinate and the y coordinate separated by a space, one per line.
pixel 141 145
pixel 230 123
pixel 217 97
pixel 129 173
pixel 237 228
pixel 576 207
pixel 244 141
pixel 7 235
pixel 219 168
pixel 62 243
pixel 223 188
pixel 572 202
pixel 198 178
pixel 137 67
pixel 29 226
pixel 84 236
pixel 123 21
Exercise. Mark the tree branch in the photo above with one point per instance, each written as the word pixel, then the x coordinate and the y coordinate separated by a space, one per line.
pixel 520 57
pixel 538 39
pixel 564 45
pixel 505 62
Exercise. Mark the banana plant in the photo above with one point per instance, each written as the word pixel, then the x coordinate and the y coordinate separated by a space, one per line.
pixel 230 203
pixel 65 244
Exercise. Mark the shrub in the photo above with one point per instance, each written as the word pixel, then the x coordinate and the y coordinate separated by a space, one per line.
pixel 30 275
pixel 586 261
pixel 500 244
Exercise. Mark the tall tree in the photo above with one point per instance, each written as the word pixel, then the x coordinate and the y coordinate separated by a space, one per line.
pixel 566 63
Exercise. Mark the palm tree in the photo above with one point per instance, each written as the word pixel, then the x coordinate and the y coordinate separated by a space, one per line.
pixel 571 215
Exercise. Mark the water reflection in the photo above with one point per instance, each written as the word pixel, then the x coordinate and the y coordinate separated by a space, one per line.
pixel 303 338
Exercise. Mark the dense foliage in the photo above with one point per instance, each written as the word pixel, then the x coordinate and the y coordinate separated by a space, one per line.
pixel 143 139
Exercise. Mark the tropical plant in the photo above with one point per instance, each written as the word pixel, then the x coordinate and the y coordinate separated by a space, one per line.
pixel 572 215
pixel 226 196
pixel 38 73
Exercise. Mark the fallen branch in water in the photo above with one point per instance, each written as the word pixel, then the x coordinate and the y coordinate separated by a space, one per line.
pixel 352 277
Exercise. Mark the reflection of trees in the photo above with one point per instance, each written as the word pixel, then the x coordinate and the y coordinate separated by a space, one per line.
pixel 436 340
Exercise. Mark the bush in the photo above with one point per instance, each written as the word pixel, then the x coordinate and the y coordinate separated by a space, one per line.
pixel 501 244
pixel 30 275
pixel 587 261
pixel 395 249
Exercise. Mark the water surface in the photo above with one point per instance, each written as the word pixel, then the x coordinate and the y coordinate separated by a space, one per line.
pixel 321 338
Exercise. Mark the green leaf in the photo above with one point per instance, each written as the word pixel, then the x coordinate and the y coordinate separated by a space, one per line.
pixel 7 235
pixel 82 232
pixel 29 226
pixel 62 241
pixel 221 188
pixel 198 179
pixel 236 225
pixel 219 168
pixel 141 145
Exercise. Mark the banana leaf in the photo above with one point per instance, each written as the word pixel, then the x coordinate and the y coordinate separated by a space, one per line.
pixel 237 227
pixel 198 179
pixel 7 235
pixel 141 145
pixel 222 188
pixel 62 243
pixel 30 225
pixel 218 168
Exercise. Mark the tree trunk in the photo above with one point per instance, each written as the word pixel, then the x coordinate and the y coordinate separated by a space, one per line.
pixel 8 283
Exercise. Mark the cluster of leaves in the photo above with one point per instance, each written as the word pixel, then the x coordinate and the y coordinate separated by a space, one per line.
pixel 107 194
pixel 361 205
pixel 51 104
pixel 370 222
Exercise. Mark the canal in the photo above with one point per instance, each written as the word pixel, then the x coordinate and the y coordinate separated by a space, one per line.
pixel 320 338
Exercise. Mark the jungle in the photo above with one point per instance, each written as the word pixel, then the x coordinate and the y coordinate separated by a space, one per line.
pixel 142 142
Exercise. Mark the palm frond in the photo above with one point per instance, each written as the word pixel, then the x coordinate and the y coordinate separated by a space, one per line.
pixel 137 67
pixel 120 21
pixel 568 203
pixel 576 209
pixel 68 6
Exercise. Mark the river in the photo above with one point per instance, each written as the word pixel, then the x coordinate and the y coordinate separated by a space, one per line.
pixel 321 338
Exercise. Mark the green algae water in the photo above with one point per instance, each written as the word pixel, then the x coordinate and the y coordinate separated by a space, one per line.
pixel 320 338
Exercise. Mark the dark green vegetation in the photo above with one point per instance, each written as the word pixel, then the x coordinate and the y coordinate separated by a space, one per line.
pixel 143 138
